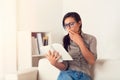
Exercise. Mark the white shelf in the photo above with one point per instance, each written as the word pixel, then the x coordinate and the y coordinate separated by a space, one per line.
pixel 36 55
pixel 38 39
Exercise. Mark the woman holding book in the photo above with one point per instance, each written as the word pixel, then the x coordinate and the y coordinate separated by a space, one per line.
pixel 82 48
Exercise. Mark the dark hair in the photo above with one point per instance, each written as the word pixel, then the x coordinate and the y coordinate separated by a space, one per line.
pixel 77 18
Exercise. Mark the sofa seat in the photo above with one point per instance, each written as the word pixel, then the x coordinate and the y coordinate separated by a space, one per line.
pixel 47 71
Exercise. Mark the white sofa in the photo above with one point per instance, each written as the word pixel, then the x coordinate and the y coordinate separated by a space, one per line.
pixel 103 70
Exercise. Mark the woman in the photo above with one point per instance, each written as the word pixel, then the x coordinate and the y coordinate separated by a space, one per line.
pixel 82 48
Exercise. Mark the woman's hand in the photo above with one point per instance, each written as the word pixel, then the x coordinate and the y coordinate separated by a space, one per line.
pixel 53 57
pixel 75 37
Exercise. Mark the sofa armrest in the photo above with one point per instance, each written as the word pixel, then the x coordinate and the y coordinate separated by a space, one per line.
pixel 28 74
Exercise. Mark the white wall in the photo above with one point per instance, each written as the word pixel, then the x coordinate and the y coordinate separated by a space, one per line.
pixel 7 38
pixel 100 18
pixel 37 15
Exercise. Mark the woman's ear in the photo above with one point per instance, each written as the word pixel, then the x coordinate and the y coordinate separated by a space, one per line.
pixel 80 22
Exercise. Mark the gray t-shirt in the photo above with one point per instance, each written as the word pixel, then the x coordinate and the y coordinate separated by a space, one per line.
pixel 79 63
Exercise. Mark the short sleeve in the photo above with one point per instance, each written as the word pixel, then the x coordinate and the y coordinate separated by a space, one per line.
pixel 93 47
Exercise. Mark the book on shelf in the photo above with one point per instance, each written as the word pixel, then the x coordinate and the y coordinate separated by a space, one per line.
pixel 35 50
pixel 56 47
pixel 45 40
pixel 38 39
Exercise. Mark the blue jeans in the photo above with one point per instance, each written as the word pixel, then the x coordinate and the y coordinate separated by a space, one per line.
pixel 73 75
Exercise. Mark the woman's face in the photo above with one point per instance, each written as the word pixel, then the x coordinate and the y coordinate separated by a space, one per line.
pixel 71 24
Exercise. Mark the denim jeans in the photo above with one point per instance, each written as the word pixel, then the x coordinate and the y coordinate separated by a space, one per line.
pixel 73 75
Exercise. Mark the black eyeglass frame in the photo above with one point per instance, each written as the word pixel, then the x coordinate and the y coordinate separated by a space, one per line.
pixel 71 24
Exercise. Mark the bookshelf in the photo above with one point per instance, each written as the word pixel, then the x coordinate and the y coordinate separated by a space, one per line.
pixel 38 39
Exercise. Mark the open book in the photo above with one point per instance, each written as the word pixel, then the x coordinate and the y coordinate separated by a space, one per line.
pixel 57 47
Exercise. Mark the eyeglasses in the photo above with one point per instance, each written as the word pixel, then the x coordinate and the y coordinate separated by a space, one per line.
pixel 71 24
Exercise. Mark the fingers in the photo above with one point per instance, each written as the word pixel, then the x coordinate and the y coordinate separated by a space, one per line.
pixel 54 55
pixel 58 57
pixel 74 35
pixel 71 32
pixel 48 54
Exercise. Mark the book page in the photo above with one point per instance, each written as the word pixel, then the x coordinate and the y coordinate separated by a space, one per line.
pixel 56 47
pixel 59 48
pixel 44 50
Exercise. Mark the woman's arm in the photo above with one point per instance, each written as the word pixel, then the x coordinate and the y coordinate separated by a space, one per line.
pixel 88 55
